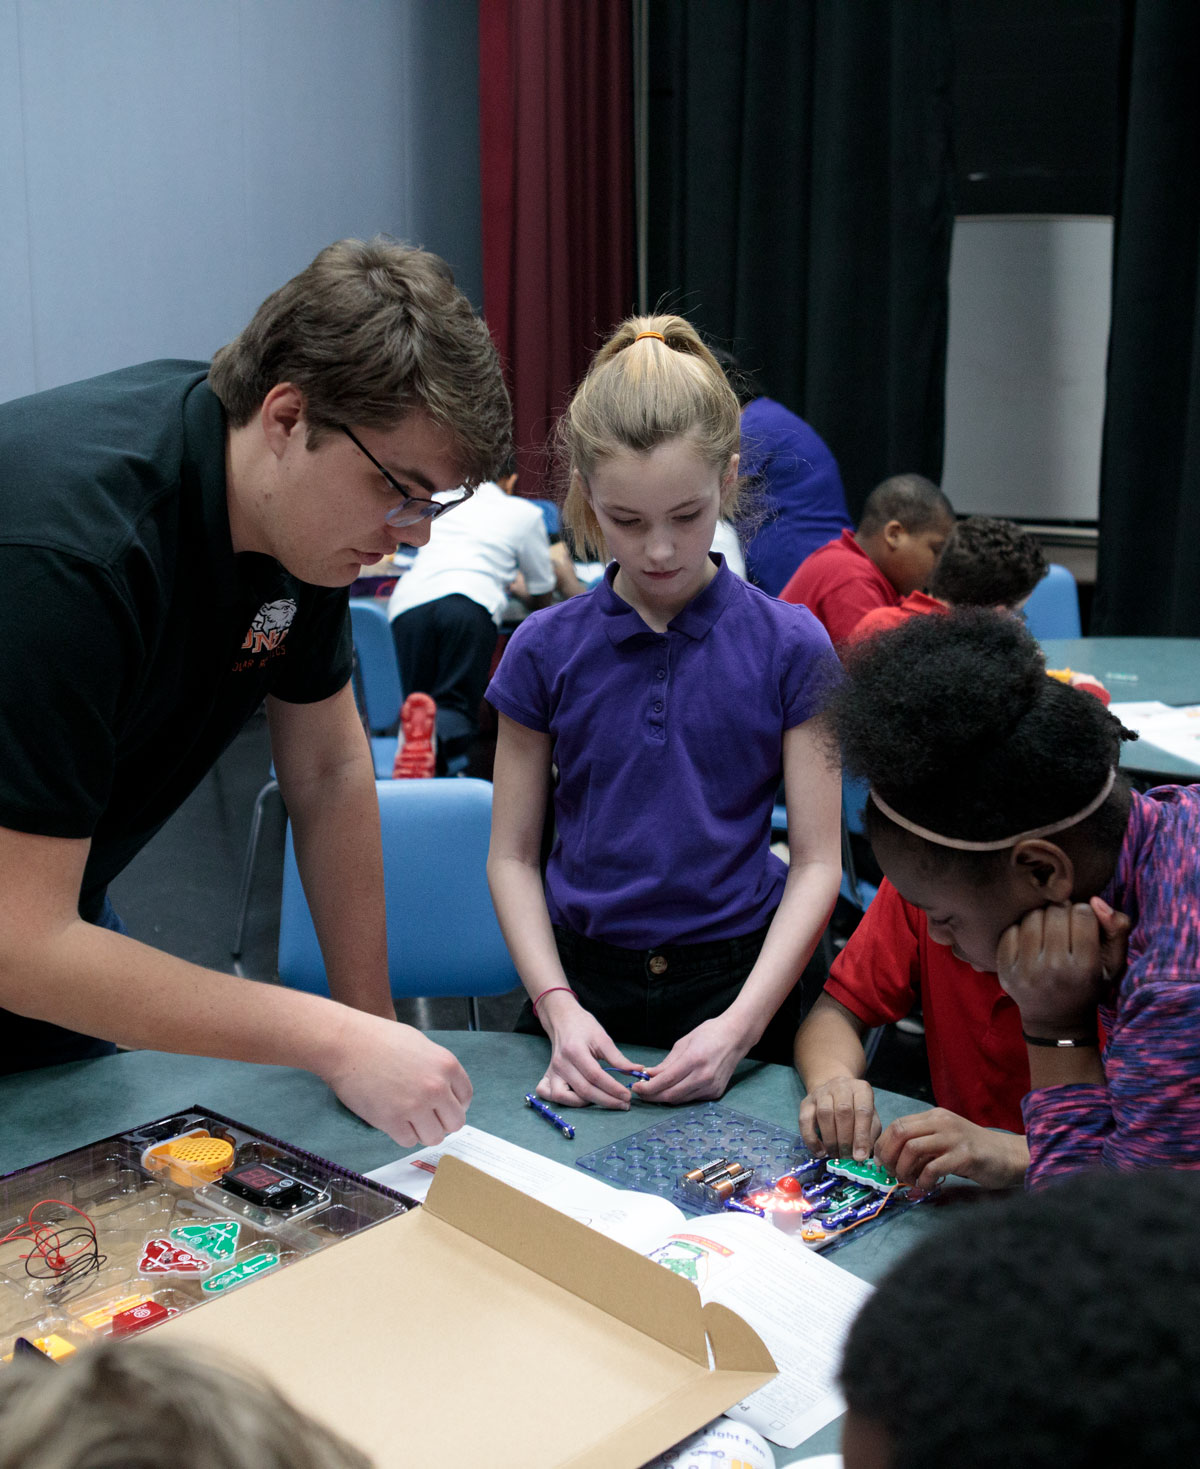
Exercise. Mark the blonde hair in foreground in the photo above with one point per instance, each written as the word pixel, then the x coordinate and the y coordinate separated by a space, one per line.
pixel 641 392
pixel 139 1406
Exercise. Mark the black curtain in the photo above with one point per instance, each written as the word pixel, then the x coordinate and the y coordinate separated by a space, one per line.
pixel 800 208
pixel 1148 579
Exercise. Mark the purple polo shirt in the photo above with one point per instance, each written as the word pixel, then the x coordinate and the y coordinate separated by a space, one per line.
pixel 669 752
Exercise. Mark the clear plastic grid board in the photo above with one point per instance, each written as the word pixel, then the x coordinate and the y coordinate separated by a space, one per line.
pixel 653 1160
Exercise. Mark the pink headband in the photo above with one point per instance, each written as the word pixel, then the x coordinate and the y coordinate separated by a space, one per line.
pixel 1023 836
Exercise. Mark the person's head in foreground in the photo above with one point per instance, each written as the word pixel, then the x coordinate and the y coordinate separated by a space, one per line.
pixel 987 563
pixel 1058 1330
pixel 994 788
pixel 140 1406
pixel 364 398
pixel 651 442
pixel 903 529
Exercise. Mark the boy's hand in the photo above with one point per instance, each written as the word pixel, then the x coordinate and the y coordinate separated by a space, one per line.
pixel 581 1050
pixel 698 1066
pixel 923 1148
pixel 838 1118
pixel 396 1079
pixel 1057 962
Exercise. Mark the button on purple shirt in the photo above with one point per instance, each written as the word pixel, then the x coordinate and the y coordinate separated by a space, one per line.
pixel 669 750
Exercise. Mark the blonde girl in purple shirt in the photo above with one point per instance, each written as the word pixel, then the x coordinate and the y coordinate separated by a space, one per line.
pixel 660 711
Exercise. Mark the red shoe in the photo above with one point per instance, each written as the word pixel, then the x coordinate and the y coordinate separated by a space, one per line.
pixel 416 752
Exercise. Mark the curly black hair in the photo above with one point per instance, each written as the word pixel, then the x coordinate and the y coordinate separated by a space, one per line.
pixel 1061 1330
pixel 954 721
pixel 987 563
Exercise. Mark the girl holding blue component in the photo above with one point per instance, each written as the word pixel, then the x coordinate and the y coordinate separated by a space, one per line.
pixel 670 700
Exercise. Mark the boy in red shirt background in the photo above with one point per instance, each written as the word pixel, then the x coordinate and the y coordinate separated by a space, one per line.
pixel 904 526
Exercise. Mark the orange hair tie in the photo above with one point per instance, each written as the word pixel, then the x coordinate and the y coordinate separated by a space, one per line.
pixel 659 335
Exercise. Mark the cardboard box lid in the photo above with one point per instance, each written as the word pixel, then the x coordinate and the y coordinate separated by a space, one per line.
pixel 487 1328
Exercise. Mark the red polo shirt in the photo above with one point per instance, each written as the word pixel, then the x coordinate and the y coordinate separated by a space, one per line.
pixel 840 584
pixel 885 618
pixel 977 1059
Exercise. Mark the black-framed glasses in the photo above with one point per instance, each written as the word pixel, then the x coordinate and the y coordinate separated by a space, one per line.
pixel 412 508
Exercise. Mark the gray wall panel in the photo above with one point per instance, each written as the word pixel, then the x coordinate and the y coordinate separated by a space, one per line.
pixel 164 165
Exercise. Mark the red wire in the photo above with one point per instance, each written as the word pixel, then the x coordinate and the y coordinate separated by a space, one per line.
pixel 45 1236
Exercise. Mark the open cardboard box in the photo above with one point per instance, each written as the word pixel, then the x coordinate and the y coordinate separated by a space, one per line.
pixel 486 1328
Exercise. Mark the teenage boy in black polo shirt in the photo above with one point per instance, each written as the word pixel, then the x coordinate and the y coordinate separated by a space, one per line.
pixel 176 541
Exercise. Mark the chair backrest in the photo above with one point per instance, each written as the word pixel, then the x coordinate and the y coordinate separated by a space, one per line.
pixel 1053 609
pixel 855 792
pixel 550 514
pixel 443 937
pixel 378 670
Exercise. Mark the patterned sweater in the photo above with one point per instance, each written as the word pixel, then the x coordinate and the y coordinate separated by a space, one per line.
pixel 1147 1112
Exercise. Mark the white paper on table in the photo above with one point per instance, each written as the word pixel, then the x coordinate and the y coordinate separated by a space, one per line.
pixel 637 1220
pixel 800 1304
pixel 1174 728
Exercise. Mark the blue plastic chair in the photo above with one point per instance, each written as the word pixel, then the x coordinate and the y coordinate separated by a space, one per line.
pixel 378 693
pixel 443 937
pixel 376 679
pixel 1053 609
pixel 550 514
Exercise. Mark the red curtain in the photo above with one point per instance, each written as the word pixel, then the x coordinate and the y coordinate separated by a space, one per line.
pixel 556 160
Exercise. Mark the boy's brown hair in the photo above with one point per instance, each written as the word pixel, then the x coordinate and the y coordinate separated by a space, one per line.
pixel 370 331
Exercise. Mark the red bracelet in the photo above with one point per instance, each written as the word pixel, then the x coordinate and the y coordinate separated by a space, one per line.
pixel 550 991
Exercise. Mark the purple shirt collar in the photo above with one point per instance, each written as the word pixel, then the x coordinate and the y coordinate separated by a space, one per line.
pixel 623 623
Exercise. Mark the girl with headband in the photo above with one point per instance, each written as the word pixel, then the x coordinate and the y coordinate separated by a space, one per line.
pixel 998 810
pixel 660 711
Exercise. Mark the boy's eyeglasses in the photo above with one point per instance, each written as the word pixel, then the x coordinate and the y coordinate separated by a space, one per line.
pixel 412 508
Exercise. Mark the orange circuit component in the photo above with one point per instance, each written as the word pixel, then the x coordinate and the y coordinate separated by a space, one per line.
pixel 192 1158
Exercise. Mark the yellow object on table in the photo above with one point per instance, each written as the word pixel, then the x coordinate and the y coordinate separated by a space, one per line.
pixel 195 1157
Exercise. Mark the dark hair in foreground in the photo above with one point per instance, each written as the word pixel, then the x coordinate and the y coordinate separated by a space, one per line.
pixel 370 331
pixel 954 721
pixel 987 563
pixel 1058 1330
pixel 913 500
pixel 127 1405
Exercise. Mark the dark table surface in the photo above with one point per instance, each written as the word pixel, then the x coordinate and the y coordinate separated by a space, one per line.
pixel 1137 670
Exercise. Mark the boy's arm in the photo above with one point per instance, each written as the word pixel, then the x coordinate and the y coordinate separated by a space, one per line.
pixel 56 967
pixel 837 1115
pixel 327 781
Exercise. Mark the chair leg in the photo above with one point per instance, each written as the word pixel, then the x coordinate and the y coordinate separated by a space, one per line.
pixel 248 866
pixel 472 1012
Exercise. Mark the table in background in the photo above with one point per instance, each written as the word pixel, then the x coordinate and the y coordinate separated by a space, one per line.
pixel 47 1112
pixel 1136 670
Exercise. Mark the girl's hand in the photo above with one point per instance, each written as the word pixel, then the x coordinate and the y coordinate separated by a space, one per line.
pixel 581 1050
pixel 698 1066
pixel 838 1117
pixel 1057 962
pixel 922 1148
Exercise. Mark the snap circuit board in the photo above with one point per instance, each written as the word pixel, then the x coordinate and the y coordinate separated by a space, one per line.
pixel 710 1157
pixel 117 1236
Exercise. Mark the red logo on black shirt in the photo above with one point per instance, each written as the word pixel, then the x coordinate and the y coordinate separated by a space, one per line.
pixel 269 628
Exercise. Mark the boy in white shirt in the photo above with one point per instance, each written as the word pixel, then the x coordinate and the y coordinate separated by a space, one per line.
pixel 446 609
